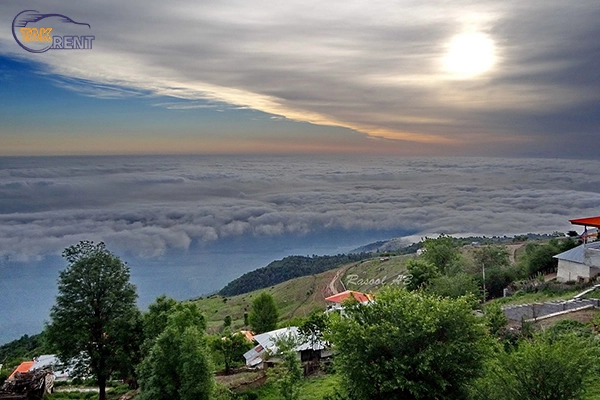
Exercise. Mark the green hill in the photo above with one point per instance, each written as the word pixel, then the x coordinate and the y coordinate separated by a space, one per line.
pixel 285 269
pixel 298 297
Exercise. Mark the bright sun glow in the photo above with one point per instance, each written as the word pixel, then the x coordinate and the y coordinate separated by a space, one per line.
pixel 469 55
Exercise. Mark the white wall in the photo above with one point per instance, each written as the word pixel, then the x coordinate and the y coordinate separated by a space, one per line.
pixel 570 271
pixel 592 257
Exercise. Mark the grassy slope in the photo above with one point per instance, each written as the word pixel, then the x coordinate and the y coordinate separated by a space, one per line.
pixel 295 298
pixel 373 274
pixel 299 297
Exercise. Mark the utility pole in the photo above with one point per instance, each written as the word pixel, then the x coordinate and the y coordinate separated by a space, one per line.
pixel 483 272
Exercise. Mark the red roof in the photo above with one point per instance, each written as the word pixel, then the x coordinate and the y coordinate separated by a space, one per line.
pixel 592 221
pixel 24 367
pixel 341 297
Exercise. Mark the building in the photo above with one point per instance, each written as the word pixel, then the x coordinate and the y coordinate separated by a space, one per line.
pixel 334 303
pixel 581 263
pixel 61 373
pixel 267 347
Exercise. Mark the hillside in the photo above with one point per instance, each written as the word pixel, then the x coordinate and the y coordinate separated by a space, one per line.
pixel 298 297
pixel 285 269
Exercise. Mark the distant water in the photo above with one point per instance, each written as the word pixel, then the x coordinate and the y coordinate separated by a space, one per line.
pixel 187 225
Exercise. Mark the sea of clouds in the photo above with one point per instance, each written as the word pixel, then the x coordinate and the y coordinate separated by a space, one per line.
pixel 145 206
pixel 187 225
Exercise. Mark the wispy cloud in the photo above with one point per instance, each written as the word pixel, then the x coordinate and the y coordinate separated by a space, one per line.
pixel 377 68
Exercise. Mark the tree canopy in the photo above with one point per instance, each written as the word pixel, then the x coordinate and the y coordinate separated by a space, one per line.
pixel 264 314
pixel 95 316
pixel 178 366
pixel 443 252
pixel 409 345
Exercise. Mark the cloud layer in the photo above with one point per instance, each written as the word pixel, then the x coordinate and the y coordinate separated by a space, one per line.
pixel 146 206
pixel 375 67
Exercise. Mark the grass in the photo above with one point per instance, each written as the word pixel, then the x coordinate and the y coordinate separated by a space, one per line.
pixel 295 298
pixel 312 388
pixel 373 274
pixel 537 297
pixel 81 393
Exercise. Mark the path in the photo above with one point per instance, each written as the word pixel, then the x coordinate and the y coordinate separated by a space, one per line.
pixel 332 285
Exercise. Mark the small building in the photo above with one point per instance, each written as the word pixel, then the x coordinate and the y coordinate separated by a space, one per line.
pixel 579 263
pixel 306 349
pixel 334 303
pixel 61 373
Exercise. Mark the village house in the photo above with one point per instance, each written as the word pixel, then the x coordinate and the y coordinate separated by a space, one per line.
pixel 581 263
pixel 306 349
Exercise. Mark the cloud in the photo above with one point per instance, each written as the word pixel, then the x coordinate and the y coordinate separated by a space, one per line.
pixel 147 206
pixel 376 68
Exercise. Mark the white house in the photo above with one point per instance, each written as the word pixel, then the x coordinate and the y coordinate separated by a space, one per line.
pixel 267 346
pixel 579 263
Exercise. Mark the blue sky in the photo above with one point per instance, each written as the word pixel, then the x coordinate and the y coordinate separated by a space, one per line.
pixel 396 77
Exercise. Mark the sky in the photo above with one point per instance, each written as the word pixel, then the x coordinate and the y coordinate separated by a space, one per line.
pixel 408 78
pixel 203 139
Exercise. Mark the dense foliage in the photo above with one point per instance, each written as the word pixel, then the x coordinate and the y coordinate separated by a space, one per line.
pixel 547 366
pixel 286 269
pixel 264 314
pixel 178 366
pixel 409 345
pixel 95 318
pixel 24 348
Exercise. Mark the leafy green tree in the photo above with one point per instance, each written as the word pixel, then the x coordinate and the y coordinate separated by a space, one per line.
pixel 454 286
pixel 231 348
pixel 559 368
pixel 495 318
pixel 288 374
pixel 264 315
pixel 312 330
pixel 95 312
pixel 496 279
pixel 491 256
pixel 178 366
pixel 227 322
pixel 442 252
pixel 409 345
pixel 157 316
pixel 421 272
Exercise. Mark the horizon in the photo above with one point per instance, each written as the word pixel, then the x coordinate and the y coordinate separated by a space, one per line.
pixel 488 78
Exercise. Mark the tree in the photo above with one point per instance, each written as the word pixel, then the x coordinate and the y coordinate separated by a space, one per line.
pixel 263 316
pixel 95 313
pixel 454 286
pixel 178 366
pixel 442 252
pixel 491 256
pixel 312 330
pixel 288 374
pixel 231 348
pixel 409 345
pixel 157 316
pixel 420 272
pixel 495 318
pixel 227 322
pixel 545 367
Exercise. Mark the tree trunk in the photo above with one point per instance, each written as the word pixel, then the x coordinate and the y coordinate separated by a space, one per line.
pixel 101 388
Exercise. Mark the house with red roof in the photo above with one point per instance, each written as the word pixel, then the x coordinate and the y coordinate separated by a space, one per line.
pixel 343 296
pixel 335 302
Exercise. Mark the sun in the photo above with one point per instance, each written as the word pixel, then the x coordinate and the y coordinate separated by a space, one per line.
pixel 469 55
